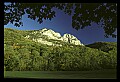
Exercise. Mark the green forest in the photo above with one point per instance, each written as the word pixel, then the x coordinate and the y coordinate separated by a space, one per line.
pixel 22 54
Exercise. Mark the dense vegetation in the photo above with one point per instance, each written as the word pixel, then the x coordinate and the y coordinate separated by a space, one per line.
pixel 22 54
pixel 103 46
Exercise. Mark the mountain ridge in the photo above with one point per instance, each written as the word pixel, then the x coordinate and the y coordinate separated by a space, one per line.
pixel 22 54
pixel 45 36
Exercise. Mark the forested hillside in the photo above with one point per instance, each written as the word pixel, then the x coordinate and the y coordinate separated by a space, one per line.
pixel 22 54
pixel 103 46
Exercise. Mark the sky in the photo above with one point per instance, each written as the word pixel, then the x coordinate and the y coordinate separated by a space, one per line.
pixel 62 23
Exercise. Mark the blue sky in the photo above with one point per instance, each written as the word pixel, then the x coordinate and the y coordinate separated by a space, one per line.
pixel 62 23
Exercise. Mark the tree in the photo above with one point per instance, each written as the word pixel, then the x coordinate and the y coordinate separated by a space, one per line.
pixel 36 60
pixel 84 14
pixel 10 58
pixel 24 59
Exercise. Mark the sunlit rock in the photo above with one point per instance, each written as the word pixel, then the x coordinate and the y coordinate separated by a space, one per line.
pixel 44 36
pixel 71 39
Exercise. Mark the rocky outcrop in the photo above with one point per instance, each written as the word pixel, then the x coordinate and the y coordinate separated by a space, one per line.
pixel 44 36
pixel 50 33
pixel 71 39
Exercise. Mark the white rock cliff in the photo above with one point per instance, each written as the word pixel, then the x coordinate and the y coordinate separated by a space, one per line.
pixel 50 34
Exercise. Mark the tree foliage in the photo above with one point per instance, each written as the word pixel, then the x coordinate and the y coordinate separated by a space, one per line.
pixel 84 14
pixel 103 46
pixel 34 56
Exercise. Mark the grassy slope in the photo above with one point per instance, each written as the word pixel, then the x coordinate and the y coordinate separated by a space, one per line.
pixel 99 74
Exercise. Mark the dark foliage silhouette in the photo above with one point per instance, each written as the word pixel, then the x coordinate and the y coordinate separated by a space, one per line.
pixel 83 14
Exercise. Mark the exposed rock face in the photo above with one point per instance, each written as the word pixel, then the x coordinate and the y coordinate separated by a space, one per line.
pixel 45 36
pixel 71 39
pixel 50 33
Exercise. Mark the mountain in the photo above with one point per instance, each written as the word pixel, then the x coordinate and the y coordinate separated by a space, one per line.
pixel 47 50
pixel 50 37
pixel 103 46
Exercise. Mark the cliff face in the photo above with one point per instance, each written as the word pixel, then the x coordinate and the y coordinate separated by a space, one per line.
pixel 71 39
pixel 49 37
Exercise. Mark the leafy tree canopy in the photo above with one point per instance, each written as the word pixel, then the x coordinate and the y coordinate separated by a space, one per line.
pixel 84 14
pixel 21 54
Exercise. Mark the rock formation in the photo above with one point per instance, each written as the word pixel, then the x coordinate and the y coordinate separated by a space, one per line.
pixel 49 37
